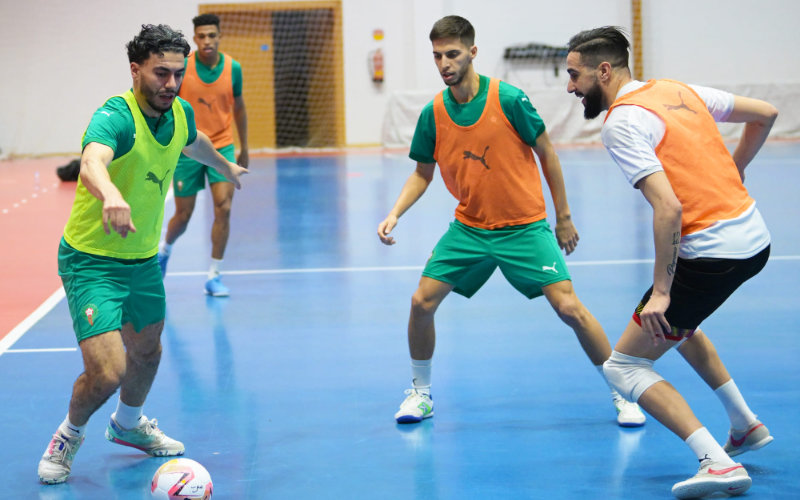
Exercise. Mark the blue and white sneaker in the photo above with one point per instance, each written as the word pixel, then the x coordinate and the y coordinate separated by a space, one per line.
pixel 146 437
pixel 415 408
pixel 215 288
pixel 162 262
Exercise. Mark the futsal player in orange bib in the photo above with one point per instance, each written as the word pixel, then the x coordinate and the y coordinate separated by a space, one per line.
pixel 483 133
pixel 709 238
pixel 213 86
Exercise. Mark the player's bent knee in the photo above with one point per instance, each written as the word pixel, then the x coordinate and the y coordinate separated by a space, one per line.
pixel 183 216
pixel 629 375
pixel 102 384
pixel 421 304
pixel 222 212
pixel 150 357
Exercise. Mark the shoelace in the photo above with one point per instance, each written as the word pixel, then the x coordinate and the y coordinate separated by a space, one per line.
pixel 413 392
pixel 60 451
pixel 622 404
pixel 151 427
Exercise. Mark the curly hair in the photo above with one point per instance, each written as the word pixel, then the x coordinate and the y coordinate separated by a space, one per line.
pixel 597 45
pixel 156 40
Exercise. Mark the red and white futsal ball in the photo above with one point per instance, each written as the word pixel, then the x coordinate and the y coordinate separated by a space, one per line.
pixel 181 479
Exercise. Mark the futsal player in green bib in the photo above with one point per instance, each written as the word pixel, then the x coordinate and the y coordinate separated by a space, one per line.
pixel 107 256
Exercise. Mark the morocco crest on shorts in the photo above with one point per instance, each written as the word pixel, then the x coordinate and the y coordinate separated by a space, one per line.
pixel 90 312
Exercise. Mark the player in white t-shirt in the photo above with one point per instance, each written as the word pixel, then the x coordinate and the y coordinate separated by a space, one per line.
pixel 709 238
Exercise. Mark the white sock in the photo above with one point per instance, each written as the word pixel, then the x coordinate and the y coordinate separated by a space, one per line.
pixel 614 394
pixel 738 412
pixel 71 429
pixel 164 248
pixel 127 416
pixel 705 447
pixel 213 270
pixel 421 375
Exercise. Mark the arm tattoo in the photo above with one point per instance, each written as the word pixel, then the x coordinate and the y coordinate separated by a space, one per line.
pixel 676 239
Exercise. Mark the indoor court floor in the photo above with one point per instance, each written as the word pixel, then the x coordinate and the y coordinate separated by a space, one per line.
pixel 287 389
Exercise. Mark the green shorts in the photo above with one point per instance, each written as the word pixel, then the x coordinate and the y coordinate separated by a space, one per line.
pixel 104 293
pixel 190 176
pixel 527 255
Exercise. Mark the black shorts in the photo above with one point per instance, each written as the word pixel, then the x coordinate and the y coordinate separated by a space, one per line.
pixel 700 286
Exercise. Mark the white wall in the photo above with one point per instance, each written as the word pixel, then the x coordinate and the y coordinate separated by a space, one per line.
pixel 408 59
pixel 722 41
pixel 61 59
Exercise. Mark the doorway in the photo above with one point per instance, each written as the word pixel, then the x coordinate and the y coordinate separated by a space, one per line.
pixel 292 65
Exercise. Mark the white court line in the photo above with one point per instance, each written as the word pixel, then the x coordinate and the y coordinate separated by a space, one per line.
pixel 304 270
pixel 31 320
pixel 54 299
pixel 40 312
pixel 53 349
pixel 583 263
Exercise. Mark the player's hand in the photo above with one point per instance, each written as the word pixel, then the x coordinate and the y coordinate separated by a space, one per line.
pixel 566 234
pixel 385 227
pixel 244 159
pixel 117 216
pixel 654 323
pixel 235 171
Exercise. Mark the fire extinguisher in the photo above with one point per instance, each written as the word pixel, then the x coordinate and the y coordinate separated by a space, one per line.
pixel 376 65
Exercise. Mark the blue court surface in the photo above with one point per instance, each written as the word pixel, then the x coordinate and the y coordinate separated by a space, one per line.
pixel 287 389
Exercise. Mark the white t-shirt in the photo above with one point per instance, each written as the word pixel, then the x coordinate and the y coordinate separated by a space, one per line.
pixel 631 134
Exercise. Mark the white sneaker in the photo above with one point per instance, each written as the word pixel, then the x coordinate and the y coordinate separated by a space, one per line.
pixel 56 463
pixel 416 407
pixel 629 414
pixel 146 437
pixel 713 477
pixel 756 436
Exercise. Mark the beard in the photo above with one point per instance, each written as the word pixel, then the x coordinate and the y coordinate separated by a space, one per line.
pixel 154 100
pixel 457 80
pixel 458 77
pixel 594 102
pixel 159 108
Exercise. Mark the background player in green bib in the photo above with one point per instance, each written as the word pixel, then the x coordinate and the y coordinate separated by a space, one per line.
pixel 213 86
pixel 483 133
pixel 107 257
